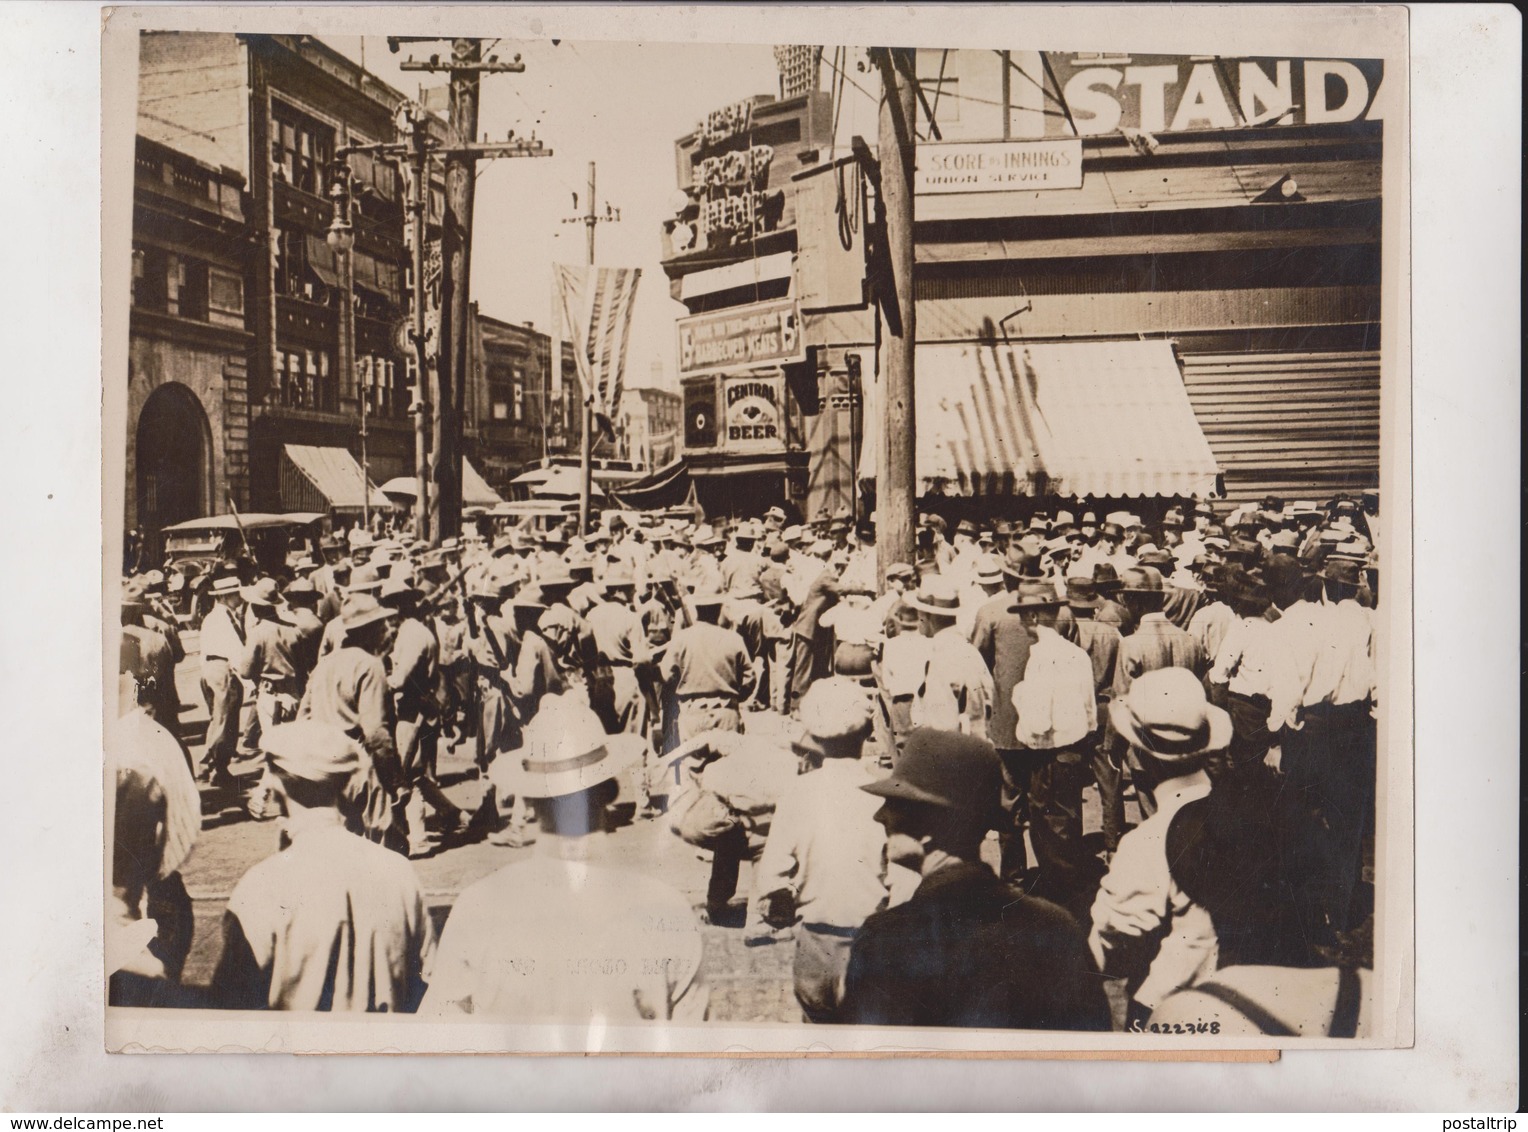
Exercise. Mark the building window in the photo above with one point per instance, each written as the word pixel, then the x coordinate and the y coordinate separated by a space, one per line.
pixel 519 394
pixel 138 266
pixel 292 274
pixel 379 386
pixel 304 379
pixel 225 298
pixel 193 290
pixel 301 149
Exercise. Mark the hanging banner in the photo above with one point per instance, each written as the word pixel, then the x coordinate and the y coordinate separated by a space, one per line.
pixel 741 337
pixel 595 307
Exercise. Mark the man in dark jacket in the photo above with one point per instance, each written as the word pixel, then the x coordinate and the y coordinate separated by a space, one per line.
pixel 967 949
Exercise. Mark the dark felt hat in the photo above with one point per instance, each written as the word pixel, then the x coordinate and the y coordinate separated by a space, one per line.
pixel 946 769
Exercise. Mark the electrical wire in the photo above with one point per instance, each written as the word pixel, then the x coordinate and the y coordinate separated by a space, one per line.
pixel 186 131
pixel 836 96
pixel 188 93
pixel 186 70
pixel 843 74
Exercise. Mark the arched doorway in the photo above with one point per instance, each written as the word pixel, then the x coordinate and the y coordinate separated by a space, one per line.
pixel 174 462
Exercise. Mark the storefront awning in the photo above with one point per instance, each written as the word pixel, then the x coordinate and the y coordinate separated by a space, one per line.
pixel 1107 418
pixel 475 489
pixel 325 479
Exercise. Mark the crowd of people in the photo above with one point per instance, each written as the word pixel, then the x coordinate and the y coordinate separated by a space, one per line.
pixel 898 751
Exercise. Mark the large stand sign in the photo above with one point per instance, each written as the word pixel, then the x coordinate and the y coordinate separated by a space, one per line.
pixel 1154 93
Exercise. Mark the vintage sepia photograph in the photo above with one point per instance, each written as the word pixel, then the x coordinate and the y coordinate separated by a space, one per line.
pixel 660 545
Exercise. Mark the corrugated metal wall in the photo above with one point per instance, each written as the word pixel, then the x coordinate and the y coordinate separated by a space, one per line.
pixel 1297 425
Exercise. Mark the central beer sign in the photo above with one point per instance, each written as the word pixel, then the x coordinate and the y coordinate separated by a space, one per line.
pixel 751 413
pixel 741 338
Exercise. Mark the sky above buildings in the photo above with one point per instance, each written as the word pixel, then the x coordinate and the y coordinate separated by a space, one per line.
pixel 621 105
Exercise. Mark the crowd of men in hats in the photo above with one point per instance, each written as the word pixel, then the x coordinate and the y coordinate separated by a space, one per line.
pixel 899 750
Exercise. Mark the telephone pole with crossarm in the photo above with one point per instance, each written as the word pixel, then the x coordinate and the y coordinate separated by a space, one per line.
pixel 465 66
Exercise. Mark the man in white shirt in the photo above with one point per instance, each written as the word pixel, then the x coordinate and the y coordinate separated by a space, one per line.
pixel 222 643
pixel 1326 704
pixel 823 870
pixel 956 690
pixel 1057 715
pixel 1144 926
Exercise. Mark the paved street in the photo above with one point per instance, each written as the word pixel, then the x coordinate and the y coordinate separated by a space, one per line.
pixel 748 983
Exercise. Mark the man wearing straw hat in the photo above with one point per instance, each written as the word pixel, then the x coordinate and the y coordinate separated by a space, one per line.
pixel 222 642
pixel 564 937
pixel 412 678
pixel 348 689
pixel 708 668
pixel 1056 711
pixel 331 922
pixel 1145 928
pixel 956 692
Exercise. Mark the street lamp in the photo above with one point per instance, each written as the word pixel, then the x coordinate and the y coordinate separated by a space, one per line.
pixel 341 236
pixel 341 239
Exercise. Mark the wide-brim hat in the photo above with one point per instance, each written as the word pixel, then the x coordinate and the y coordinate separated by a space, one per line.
pixel 554 576
pixel 1111 530
pixel 529 597
pixel 1082 593
pixel 566 751
pixel 1106 578
pixel 226 586
pixel 945 769
pixel 900 570
pixel 1338 568
pixel 263 593
pixel 936 596
pixel 312 751
pixel 1016 564
pixel 361 610
pixel 1036 595
pixel 1145 580
pixel 301 590
pixel 1165 714
pixel 398 590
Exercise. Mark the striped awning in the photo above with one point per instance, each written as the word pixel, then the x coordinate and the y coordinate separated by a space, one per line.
pixel 325 479
pixel 1105 418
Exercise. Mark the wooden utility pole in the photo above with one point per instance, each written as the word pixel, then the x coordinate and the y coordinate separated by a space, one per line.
pixel 466 67
pixel 590 218
pixel 896 486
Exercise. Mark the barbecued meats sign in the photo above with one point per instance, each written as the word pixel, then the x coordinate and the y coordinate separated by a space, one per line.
pixel 1103 93
pixel 760 333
